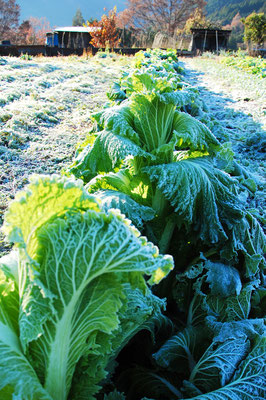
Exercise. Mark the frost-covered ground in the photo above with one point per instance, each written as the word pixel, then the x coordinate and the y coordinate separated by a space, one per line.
pixel 45 104
pixel 238 90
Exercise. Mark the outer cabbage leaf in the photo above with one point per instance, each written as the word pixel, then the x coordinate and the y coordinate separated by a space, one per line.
pixel 223 280
pixel 224 297
pixel 250 328
pixel 9 295
pixel 18 379
pixel 114 396
pixel 248 382
pixel 248 238
pixel 118 120
pixel 218 364
pixel 140 311
pixel 9 264
pixel 89 161
pixel 193 134
pixel 258 301
pixel 123 181
pixel 178 350
pixel 136 212
pixel 107 153
pixel 77 261
pixel 232 308
pixel 200 194
pixel 238 307
pixel 116 93
pixel 45 198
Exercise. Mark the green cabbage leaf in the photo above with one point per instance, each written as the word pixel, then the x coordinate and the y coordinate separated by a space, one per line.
pixel 248 381
pixel 18 378
pixel 200 194
pixel 77 268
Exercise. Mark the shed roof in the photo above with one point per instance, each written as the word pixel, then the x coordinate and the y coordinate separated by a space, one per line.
pixel 78 29
pixel 211 31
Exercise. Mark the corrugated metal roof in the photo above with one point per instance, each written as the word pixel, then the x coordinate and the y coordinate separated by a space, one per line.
pixel 75 29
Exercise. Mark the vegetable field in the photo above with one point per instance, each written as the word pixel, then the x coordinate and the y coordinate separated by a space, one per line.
pixel 255 66
pixel 134 268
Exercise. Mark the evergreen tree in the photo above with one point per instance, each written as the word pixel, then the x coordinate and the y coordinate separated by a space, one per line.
pixel 255 28
pixel 78 19
pixel 224 10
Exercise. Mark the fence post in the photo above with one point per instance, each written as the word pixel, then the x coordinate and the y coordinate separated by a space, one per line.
pixel 204 42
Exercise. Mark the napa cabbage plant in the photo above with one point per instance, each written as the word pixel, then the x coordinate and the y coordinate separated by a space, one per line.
pixel 166 160
pixel 72 292
pixel 147 80
pixel 162 59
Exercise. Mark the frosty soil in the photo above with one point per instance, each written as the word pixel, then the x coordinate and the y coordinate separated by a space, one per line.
pixel 45 108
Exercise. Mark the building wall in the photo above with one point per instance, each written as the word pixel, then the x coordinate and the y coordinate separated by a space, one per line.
pixel 69 40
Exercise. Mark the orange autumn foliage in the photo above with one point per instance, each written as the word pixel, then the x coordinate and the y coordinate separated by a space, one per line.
pixel 105 33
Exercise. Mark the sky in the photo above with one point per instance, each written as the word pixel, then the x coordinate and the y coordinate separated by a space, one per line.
pixel 61 12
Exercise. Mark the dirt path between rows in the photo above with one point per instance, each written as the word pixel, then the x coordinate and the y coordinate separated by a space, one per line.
pixel 239 90
pixel 238 101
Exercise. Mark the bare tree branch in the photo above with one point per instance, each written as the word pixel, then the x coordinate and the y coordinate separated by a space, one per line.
pixel 9 17
pixel 159 15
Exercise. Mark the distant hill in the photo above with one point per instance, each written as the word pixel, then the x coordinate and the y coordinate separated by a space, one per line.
pixel 224 10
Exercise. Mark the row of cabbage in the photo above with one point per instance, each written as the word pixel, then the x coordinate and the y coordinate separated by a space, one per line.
pixel 241 61
pixel 78 319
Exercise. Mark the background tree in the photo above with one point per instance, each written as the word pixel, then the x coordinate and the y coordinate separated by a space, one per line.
pixel 255 28
pixel 105 33
pixel 236 37
pixel 23 32
pixel 159 15
pixel 78 19
pixel 91 20
pixel 38 29
pixel 198 20
pixel 9 17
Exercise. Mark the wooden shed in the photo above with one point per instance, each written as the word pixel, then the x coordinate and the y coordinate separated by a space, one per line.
pixel 209 39
pixel 69 37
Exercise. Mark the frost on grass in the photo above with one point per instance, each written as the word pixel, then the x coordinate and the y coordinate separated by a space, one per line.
pixel 45 106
